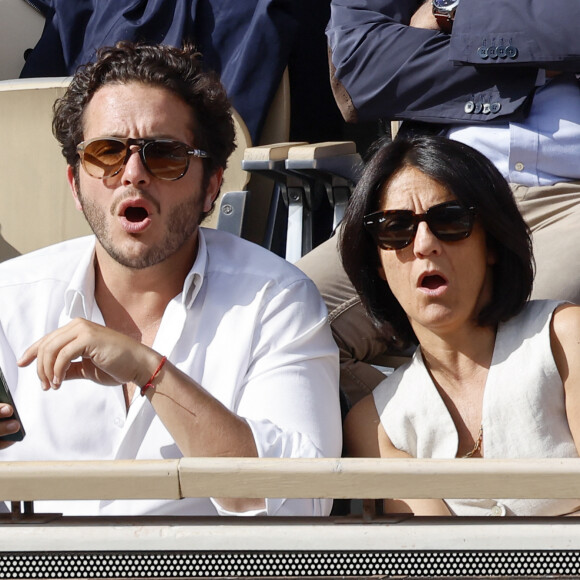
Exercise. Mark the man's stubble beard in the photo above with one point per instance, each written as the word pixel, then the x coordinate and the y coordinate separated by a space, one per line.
pixel 182 223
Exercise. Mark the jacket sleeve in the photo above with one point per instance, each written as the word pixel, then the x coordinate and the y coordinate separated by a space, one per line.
pixel 544 34
pixel 383 68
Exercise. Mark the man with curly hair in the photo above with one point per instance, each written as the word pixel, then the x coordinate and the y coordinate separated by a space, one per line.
pixel 156 338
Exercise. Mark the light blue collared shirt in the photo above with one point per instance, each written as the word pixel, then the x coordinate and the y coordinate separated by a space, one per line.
pixel 545 148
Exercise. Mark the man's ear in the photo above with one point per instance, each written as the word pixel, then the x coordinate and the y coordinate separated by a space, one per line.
pixel 70 176
pixel 213 188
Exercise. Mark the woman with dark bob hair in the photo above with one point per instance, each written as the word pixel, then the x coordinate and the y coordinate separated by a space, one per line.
pixel 436 247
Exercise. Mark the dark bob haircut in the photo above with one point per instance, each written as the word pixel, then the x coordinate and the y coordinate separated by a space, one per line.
pixel 475 182
pixel 179 70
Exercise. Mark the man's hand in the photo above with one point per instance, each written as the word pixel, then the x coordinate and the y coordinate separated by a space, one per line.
pixel 200 424
pixel 7 427
pixel 107 357
pixel 423 17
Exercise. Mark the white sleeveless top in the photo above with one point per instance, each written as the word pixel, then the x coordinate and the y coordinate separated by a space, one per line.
pixel 523 414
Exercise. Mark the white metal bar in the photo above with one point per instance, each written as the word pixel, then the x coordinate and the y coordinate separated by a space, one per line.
pixel 326 535
pixel 294 228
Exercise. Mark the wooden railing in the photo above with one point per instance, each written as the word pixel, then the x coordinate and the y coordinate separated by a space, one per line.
pixel 353 545
pixel 292 478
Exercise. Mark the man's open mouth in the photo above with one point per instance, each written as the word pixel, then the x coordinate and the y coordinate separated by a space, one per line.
pixel 136 214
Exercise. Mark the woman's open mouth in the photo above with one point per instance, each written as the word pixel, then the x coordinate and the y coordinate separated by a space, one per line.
pixel 432 283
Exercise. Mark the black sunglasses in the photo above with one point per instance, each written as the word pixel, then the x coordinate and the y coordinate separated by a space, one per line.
pixel 395 229
pixel 163 158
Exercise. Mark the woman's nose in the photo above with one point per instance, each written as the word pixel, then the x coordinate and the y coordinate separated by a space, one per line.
pixel 426 242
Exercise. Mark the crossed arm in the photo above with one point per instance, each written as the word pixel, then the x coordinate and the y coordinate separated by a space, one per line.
pixel 392 63
pixel 364 436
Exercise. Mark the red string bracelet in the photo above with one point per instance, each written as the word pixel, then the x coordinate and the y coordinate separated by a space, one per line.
pixel 149 384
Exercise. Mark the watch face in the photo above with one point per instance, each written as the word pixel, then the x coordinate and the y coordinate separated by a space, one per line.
pixel 445 4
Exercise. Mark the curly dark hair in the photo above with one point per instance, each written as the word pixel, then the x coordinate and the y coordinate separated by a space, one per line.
pixel 475 182
pixel 178 70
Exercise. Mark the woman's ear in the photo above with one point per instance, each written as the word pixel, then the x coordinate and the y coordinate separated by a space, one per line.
pixel 491 254
pixel 381 272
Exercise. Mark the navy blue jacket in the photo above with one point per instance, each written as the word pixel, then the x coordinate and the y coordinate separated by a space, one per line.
pixel 248 42
pixel 484 71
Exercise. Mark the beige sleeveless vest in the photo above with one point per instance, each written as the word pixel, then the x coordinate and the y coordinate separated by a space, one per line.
pixel 523 410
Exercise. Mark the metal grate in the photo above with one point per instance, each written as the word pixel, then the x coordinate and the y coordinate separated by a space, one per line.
pixel 405 564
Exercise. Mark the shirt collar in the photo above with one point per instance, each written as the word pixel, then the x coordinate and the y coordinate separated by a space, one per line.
pixel 194 279
pixel 80 293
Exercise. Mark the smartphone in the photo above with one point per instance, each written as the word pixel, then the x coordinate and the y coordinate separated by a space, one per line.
pixel 6 397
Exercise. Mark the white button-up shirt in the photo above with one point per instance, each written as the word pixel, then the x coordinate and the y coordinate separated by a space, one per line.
pixel 248 326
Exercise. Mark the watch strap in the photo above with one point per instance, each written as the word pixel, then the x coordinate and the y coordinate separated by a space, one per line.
pixel 445 21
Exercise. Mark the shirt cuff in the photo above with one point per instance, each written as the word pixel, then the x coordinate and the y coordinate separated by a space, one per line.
pixel 271 441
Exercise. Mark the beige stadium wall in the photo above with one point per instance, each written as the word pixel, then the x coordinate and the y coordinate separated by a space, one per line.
pixel 36 207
